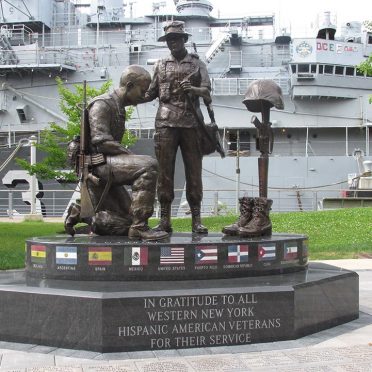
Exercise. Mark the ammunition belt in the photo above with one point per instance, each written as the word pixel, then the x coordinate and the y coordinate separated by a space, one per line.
pixel 95 159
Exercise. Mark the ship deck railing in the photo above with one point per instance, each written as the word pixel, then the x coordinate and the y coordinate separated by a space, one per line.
pixel 54 202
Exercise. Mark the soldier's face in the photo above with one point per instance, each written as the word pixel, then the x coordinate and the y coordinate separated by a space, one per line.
pixel 176 43
pixel 137 92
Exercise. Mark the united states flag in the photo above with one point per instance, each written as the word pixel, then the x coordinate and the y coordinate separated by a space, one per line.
pixel 206 254
pixel 172 256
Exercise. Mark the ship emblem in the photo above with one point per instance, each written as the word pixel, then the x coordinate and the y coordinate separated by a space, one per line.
pixel 304 49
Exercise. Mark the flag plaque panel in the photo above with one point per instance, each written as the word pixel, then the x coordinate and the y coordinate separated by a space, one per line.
pixel 183 256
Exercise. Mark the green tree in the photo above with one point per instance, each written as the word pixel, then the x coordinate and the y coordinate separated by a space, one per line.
pixel 55 138
pixel 365 67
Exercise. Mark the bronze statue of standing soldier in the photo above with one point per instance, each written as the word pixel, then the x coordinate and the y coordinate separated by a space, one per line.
pixel 179 81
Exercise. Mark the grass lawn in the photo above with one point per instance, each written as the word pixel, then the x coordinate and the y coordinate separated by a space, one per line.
pixel 343 233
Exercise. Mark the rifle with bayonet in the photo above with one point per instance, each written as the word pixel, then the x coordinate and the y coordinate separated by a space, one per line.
pixel 264 144
pixel 210 132
pixel 87 208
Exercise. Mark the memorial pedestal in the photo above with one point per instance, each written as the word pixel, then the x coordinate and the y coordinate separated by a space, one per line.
pixel 183 256
pixel 145 315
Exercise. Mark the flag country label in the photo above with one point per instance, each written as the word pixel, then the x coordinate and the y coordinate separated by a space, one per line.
pixel 206 254
pixel 266 252
pixel 237 253
pixel 38 254
pixel 172 255
pixel 100 256
pixel 66 255
pixel 136 256
pixel 290 251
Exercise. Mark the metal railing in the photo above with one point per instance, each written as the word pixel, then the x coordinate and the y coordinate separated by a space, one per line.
pixel 54 203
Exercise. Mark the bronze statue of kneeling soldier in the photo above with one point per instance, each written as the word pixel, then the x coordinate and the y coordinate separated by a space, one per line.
pixel 105 167
pixel 254 219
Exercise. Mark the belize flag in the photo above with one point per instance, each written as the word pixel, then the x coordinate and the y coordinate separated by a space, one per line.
pixel 237 253
pixel 266 252
pixel 206 254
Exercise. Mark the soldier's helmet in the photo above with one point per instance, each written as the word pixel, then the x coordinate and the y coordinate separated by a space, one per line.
pixel 174 28
pixel 263 90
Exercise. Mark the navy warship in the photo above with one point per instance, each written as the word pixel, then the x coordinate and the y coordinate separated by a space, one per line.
pixel 322 137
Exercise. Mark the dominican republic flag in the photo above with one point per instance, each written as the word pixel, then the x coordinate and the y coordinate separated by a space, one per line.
pixel 206 254
pixel 266 252
pixel 136 256
pixel 172 256
pixel 237 253
pixel 66 255
pixel 290 251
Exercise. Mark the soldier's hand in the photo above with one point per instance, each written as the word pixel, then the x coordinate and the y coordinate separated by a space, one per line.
pixel 186 86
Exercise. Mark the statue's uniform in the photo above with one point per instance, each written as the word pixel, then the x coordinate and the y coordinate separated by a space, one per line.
pixel 118 210
pixel 176 126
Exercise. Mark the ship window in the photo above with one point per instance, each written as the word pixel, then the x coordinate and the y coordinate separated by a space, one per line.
pixel 328 69
pixel 321 67
pixel 294 69
pixel 313 69
pixel 359 73
pixel 303 68
pixel 350 71
pixel 339 70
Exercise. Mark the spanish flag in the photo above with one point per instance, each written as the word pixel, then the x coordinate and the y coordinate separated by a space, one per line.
pixel 38 254
pixel 100 256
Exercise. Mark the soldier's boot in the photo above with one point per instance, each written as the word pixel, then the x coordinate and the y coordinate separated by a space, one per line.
pixel 144 232
pixel 260 223
pixel 246 206
pixel 165 219
pixel 197 226
pixel 72 218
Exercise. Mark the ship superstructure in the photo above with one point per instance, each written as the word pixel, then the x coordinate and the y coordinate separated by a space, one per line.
pixel 326 117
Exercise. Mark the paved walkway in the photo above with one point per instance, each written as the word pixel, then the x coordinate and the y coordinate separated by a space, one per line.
pixel 347 347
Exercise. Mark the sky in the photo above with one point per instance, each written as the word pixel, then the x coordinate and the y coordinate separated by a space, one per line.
pixel 295 15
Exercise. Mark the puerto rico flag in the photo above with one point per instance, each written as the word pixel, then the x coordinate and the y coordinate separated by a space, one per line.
pixel 237 253
pixel 266 252
pixel 206 254
pixel 136 256
pixel 66 255
pixel 172 256
pixel 290 251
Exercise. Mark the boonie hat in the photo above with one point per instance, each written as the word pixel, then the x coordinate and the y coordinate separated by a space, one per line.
pixel 174 28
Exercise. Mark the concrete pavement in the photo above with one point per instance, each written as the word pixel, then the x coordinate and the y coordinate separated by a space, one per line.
pixel 347 347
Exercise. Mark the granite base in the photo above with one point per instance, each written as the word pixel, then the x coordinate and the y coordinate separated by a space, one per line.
pixel 128 316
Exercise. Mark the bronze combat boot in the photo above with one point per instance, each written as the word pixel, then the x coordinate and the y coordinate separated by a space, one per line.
pixel 260 223
pixel 165 219
pixel 197 226
pixel 72 218
pixel 246 205
pixel 144 232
